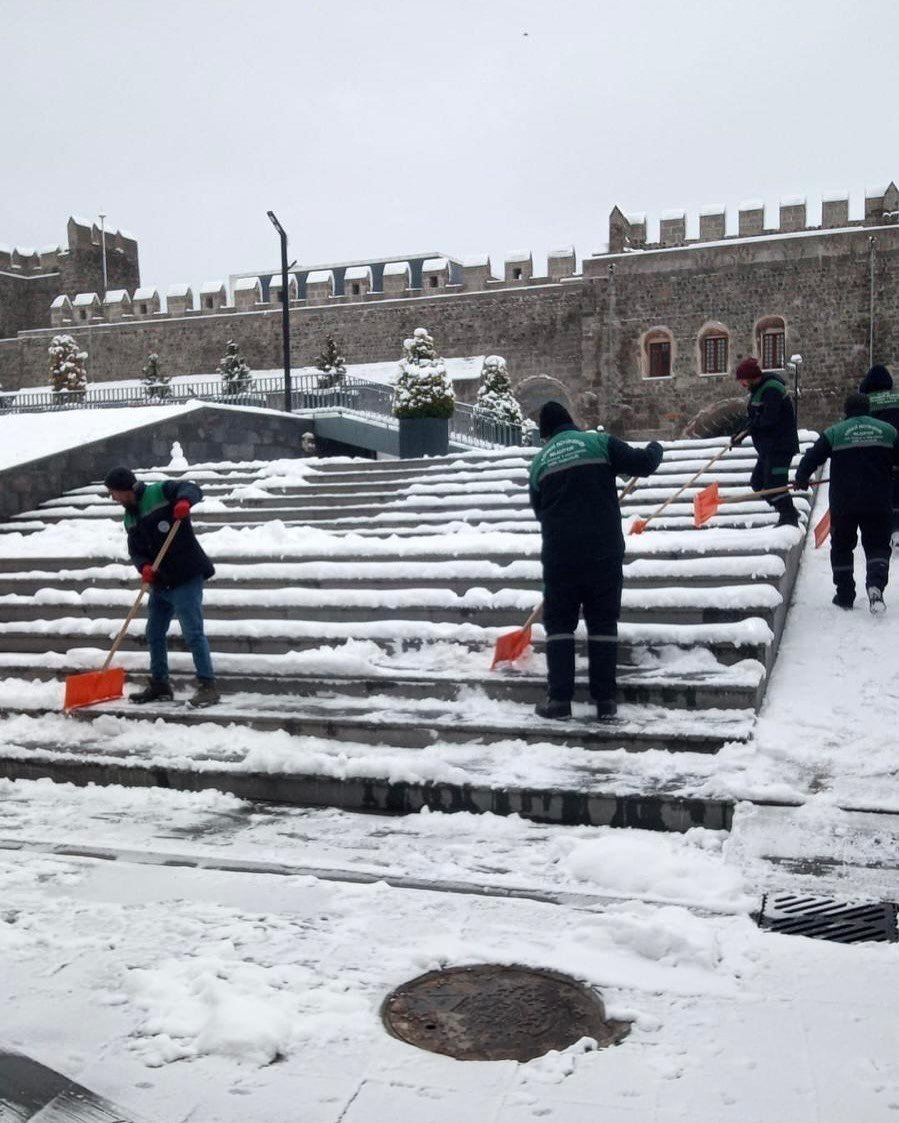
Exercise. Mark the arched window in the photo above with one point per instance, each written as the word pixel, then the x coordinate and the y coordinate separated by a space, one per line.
pixel 770 335
pixel 714 349
pixel 658 353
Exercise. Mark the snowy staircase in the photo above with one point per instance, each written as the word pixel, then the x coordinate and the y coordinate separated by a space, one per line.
pixel 353 618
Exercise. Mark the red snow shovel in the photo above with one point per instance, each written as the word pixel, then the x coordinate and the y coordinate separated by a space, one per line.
pixel 707 501
pixel 822 530
pixel 639 525
pixel 106 684
pixel 513 645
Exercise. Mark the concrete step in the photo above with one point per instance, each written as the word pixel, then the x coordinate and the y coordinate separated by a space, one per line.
pixel 728 643
pixel 458 577
pixel 651 545
pixel 401 723
pixel 721 687
pixel 505 609
pixel 595 798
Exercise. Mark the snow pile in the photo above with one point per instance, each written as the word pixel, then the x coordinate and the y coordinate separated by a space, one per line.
pixel 684 868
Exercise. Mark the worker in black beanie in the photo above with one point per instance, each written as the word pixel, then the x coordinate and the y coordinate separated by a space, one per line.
pixel 884 399
pixel 862 450
pixel 573 495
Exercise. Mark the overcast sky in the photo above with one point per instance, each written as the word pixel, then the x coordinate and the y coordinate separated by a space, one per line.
pixel 385 127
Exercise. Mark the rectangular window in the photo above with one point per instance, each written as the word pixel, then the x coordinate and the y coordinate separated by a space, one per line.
pixel 714 354
pixel 772 350
pixel 659 360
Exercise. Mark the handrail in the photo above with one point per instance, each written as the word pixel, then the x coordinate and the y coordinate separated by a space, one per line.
pixel 468 425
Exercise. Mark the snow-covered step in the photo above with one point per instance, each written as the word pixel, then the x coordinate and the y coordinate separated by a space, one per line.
pixel 749 638
pixel 407 723
pixel 505 608
pixel 457 576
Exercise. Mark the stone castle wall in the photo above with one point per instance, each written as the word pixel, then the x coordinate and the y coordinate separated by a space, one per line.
pixel 580 338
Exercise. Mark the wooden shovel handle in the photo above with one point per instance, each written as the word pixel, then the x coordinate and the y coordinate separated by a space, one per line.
pixel 690 482
pixel 783 489
pixel 535 615
pixel 163 550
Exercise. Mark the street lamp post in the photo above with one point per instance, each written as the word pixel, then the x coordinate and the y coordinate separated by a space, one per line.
pixel 795 364
pixel 285 318
pixel 103 250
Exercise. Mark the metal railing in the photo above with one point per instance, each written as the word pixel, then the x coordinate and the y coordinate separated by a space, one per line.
pixel 468 426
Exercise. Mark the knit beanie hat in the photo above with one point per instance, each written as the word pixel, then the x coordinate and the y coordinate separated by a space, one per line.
pixel 120 479
pixel 856 405
pixel 748 369
pixel 877 378
pixel 552 416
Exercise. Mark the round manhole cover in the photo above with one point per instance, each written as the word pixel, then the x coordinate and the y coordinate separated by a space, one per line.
pixel 493 1013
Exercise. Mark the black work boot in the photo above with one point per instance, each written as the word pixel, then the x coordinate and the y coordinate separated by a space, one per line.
pixel 206 693
pixel 843 601
pixel 875 600
pixel 606 711
pixel 156 690
pixel 554 709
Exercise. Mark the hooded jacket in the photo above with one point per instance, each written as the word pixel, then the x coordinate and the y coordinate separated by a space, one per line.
pixel 148 522
pixel 878 385
pixel 861 450
pixel 771 419
pixel 573 489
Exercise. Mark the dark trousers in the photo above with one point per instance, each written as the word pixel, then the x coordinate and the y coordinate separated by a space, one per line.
pixel 773 470
pixel 596 591
pixel 896 499
pixel 875 530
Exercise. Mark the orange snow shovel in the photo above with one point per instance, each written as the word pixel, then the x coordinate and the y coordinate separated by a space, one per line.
pixel 639 525
pixel 707 501
pixel 822 529
pixel 106 684
pixel 513 645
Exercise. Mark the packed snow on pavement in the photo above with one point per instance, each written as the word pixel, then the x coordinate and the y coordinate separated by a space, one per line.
pixel 243 979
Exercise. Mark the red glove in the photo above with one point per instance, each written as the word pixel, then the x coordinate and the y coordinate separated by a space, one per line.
pixel 147 574
pixel 181 509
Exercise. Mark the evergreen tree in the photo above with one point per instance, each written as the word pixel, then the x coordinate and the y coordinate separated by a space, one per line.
pixel 68 374
pixel 422 388
pixel 495 397
pixel 156 384
pixel 235 370
pixel 332 364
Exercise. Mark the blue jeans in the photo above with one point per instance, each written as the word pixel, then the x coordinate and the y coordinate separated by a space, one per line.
pixel 186 602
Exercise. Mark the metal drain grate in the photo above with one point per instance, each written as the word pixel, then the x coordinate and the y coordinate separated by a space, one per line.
pixel 823 918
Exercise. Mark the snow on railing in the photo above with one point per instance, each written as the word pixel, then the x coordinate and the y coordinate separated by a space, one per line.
pixel 468 425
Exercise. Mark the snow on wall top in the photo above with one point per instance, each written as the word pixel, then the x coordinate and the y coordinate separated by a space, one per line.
pixel 519 255
pixel 478 260
pixel 147 292
pixel 116 296
pixel 673 215
pixel 396 269
pixel 85 298
pixel 433 264
pixel 793 201
pixel 244 284
pixel 60 301
pixel 320 277
pixel 712 208
pixel 358 273
pixel 211 288
pixel 178 289
pixel 835 197
pixel 752 205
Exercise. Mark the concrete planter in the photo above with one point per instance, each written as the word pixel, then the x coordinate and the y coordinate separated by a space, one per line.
pixel 423 436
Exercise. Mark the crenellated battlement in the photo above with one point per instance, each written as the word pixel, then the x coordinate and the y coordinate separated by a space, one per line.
pixel 628 231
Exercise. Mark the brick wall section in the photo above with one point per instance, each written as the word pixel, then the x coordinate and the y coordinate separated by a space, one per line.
pixel 25 301
pixel 585 332
pixel 537 329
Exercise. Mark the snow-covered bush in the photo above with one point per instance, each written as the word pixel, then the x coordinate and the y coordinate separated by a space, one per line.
pixel 495 397
pixel 156 384
pixel 235 370
pixel 530 433
pixel 422 388
pixel 332 365
pixel 68 374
